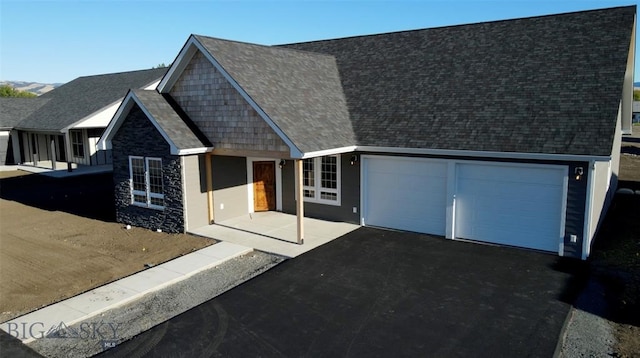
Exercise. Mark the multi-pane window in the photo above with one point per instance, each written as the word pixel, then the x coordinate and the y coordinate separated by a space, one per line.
pixel 77 144
pixel 321 179
pixel 146 182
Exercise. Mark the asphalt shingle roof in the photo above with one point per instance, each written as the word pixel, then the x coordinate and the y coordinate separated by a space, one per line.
pixel 83 96
pixel 182 132
pixel 300 91
pixel 12 110
pixel 549 84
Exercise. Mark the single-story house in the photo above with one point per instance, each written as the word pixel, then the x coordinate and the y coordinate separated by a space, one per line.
pixel 12 110
pixel 67 127
pixel 477 132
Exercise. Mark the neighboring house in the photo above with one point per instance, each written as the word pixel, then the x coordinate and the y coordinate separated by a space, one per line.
pixel 68 126
pixel 475 132
pixel 636 113
pixel 12 110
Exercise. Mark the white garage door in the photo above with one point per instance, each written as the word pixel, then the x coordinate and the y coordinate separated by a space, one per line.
pixel 511 205
pixel 405 193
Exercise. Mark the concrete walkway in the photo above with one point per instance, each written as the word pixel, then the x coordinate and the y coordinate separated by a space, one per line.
pixel 36 324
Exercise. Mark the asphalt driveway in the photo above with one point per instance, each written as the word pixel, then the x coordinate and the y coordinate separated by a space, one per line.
pixel 382 293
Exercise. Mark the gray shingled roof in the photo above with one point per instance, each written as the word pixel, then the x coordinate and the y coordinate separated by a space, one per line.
pixel 300 91
pixel 13 110
pixel 83 96
pixel 182 132
pixel 548 84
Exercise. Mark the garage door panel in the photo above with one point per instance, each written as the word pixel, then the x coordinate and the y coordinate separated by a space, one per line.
pixel 406 194
pixel 512 205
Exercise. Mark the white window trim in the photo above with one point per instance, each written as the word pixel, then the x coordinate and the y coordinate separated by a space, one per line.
pixel 147 192
pixel 317 180
pixel 79 144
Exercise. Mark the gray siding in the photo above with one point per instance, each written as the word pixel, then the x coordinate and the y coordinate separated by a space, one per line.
pixel 350 192
pixel 576 202
pixel 230 191
pixel 137 136
pixel 195 192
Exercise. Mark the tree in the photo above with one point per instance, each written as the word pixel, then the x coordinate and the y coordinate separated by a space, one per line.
pixel 160 65
pixel 636 95
pixel 8 91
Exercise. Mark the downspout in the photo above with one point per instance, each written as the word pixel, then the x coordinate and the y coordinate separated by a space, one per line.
pixel 586 236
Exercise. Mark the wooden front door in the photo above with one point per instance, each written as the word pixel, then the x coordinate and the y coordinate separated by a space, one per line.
pixel 264 186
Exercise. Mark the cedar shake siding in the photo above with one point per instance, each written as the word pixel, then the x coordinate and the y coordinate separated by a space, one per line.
pixel 220 112
pixel 138 137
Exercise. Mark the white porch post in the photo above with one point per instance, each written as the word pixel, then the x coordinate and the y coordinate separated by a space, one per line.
pixel 52 143
pixel 299 200
pixel 67 148
pixel 207 166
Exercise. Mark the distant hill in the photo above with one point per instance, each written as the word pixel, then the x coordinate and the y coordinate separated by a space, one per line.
pixel 33 87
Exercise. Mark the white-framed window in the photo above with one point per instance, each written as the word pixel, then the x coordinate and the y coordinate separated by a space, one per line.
pixel 77 144
pixel 146 182
pixel 321 179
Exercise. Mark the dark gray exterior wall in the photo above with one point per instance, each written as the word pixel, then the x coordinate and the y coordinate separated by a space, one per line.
pixel 137 136
pixel 350 194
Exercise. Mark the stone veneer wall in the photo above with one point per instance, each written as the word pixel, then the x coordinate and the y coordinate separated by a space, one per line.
pixel 137 136
pixel 220 112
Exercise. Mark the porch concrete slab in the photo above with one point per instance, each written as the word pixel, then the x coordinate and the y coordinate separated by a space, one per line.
pixel 118 293
pixel 275 232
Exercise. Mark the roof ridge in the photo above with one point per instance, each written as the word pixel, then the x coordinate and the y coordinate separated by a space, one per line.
pixel 457 25
pixel 272 47
pixel 122 72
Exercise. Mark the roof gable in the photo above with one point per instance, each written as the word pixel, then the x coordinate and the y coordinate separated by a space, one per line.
pixel 182 137
pixel 298 93
pixel 84 96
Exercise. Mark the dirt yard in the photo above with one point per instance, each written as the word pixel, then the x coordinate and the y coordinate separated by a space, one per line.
pixel 58 239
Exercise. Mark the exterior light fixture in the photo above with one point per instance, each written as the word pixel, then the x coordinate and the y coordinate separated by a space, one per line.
pixel 282 163
pixel 578 171
pixel 354 159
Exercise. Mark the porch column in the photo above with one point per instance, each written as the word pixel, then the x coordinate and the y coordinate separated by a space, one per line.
pixel 207 166
pixel 53 153
pixel 299 200
pixel 68 151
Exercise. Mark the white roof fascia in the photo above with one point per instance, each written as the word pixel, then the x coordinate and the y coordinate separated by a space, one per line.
pixel 104 143
pixel 334 151
pixel 89 117
pixel 483 154
pixel 191 151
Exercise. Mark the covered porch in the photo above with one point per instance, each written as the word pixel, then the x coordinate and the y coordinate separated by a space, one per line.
pixel 275 232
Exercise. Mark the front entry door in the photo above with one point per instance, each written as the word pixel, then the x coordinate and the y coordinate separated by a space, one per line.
pixel 264 186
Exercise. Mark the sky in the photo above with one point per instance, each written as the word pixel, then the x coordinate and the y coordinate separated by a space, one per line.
pixel 56 41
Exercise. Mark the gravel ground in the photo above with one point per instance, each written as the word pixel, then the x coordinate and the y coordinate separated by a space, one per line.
pixel 587 333
pixel 120 324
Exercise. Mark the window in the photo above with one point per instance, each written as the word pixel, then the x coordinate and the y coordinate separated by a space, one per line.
pixel 321 179
pixel 146 182
pixel 77 145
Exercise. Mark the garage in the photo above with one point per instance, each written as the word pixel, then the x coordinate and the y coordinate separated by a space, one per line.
pixel 511 204
pixel 405 193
